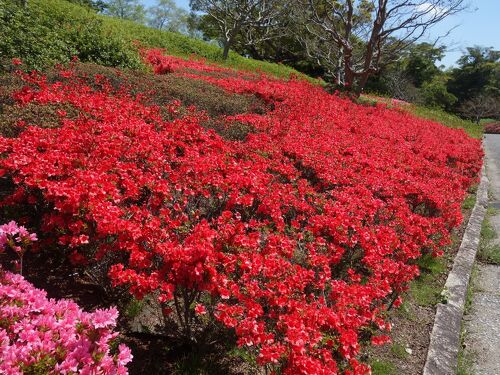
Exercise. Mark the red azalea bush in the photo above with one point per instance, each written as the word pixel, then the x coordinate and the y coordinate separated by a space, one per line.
pixel 299 237
pixel 492 128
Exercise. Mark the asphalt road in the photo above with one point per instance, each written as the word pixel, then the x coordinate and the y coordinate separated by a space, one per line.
pixel 482 323
pixel 492 149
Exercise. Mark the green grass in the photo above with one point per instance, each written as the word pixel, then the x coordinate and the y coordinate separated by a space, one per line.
pixel 424 289
pixel 180 45
pixel 380 367
pixel 134 308
pixel 448 119
pixel 424 292
pixel 191 364
pixel 489 251
pixel 465 359
pixel 492 254
pixel 434 114
pixel 486 121
pixel 399 350
pixel 405 312
pixel 432 265
pixel 471 287
pixel 469 202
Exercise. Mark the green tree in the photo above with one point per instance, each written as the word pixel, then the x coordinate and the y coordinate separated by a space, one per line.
pixel 282 46
pixel 205 25
pixel 166 15
pixel 415 76
pixel 434 93
pixel 421 62
pixel 477 74
pixel 127 9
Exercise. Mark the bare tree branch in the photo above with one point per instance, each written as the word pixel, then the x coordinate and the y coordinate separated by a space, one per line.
pixel 365 34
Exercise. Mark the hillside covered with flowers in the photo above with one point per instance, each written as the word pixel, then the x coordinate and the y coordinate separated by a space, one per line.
pixel 292 218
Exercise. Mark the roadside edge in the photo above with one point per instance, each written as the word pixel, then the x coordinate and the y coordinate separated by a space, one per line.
pixel 442 356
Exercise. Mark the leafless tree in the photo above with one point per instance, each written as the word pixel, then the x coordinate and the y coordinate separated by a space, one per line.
pixel 252 19
pixel 353 38
pixel 400 86
pixel 481 107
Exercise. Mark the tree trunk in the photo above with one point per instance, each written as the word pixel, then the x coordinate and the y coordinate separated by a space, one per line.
pixel 339 73
pixel 225 53
pixel 362 83
pixel 349 76
pixel 254 53
pixel 228 43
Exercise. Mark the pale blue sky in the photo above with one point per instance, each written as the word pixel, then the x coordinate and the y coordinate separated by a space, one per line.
pixel 478 26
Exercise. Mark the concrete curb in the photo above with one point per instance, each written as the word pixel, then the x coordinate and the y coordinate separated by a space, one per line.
pixel 442 357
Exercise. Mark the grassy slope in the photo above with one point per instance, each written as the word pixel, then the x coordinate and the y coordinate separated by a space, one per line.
pixel 52 31
pixel 448 119
pixel 434 114
pixel 184 46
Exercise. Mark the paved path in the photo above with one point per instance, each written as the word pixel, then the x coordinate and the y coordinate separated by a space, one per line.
pixel 482 324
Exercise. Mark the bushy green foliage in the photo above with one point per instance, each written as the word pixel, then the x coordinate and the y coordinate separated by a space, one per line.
pixel 478 74
pixel 53 31
pixel 420 65
pixel 97 5
pixel 435 94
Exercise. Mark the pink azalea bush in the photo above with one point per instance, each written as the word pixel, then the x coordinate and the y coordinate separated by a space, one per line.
pixel 15 236
pixel 41 335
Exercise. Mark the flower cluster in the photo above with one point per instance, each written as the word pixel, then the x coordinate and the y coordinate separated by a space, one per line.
pixel 17 239
pixel 298 237
pixel 40 335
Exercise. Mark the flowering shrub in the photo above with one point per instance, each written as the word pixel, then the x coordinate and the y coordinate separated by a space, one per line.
pixel 40 335
pixel 492 128
pixel 298 237
pixel 17 239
